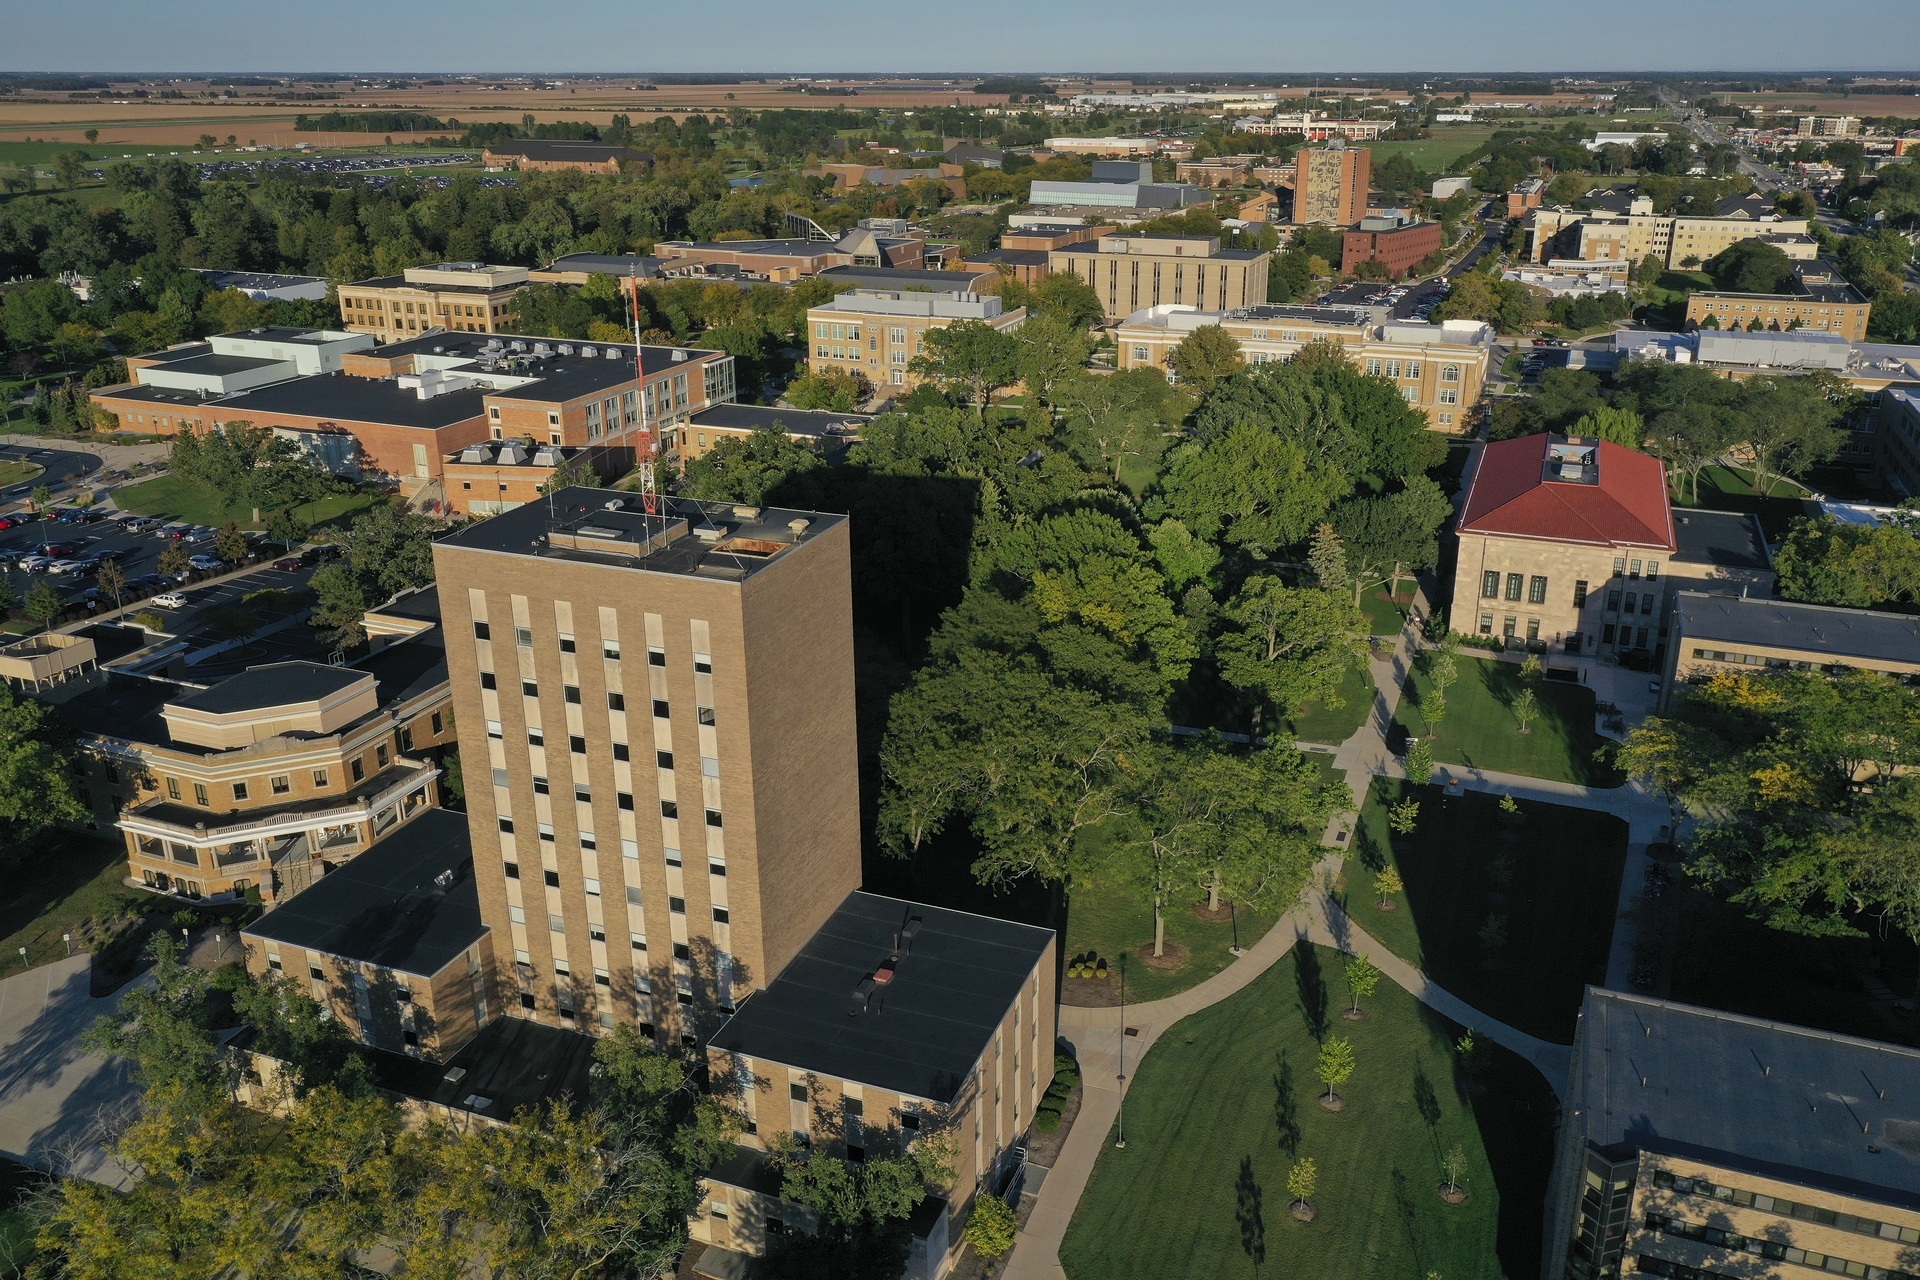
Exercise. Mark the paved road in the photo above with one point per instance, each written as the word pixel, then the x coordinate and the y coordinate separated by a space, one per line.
pixel 59 1106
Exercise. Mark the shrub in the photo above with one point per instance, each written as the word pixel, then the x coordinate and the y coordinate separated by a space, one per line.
pixel 150 620
pixel 991 1226
pixel 1046 1119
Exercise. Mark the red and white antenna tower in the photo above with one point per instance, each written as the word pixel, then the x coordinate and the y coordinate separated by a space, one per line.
pixel 646 447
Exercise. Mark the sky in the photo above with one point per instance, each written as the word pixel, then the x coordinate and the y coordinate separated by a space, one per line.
pixel 554 36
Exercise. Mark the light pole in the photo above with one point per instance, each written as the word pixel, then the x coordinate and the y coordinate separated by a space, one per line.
pixel 68 939
pixel 1121 1140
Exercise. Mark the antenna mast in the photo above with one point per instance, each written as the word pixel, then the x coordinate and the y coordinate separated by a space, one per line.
pixel 646 448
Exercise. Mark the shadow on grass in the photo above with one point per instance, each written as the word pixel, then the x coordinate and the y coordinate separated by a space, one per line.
pixel 1311 986
pixel 1248 1198
pixel 1286 1107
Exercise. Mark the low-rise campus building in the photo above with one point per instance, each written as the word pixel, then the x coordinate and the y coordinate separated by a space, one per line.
pixel 1696 1144
pixel 1397 242
pixel 267 779
pixel 1572 545
pixel 467 297
pixel 877 334
pixel 1722 632
pixel 1635 232
pixel 829 432
pixel 1818 297
pixel 1439 369
pixel 542 155
pixel 1130 272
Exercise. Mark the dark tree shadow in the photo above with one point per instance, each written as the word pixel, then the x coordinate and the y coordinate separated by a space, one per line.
pixel 1426 1102
pixel 1247 1203
pixel 1409 1216
pixel 1286 1107
pixel 1312 987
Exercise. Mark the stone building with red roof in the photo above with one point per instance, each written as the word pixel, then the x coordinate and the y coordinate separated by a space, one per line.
pixel 1565 544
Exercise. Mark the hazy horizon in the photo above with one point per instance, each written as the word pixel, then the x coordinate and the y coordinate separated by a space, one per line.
pixel 1201 38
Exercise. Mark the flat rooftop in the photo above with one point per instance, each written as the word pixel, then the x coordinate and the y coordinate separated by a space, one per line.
pixel 904 278
pixel 1773 1099
pixel 1728 539
pixel 276 684
pixel 1828 630
pixel 613 264
pixel 341 397
pixel 719 540
pixel 408 903
pixel 512 1063
pixel 816 423
pixel 921 1033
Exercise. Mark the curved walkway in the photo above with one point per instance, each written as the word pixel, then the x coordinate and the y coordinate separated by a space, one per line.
pixel 1110 1040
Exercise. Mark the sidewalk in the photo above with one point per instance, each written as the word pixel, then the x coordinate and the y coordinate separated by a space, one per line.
pixel 59 1105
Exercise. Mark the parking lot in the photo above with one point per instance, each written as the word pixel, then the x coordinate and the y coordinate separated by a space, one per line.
pixel 61 466
pixel 137 554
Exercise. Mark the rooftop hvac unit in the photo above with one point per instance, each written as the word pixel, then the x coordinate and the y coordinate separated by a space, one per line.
pixel 517 345
pixel 679 354
pixel 542 349
pixel 566 348
pixel 613 353
pixel 588 352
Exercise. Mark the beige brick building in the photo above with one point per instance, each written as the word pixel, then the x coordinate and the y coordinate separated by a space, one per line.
pixel 470 297
pixel 1696 1144
pixel 1130 272
pixel 1725 632
pixel 1818 297
pixel 1439 369
pixel 876 333
pixel 1636 232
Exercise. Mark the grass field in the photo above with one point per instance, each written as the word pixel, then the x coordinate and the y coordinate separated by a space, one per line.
pixel 1432 155
pixel 177 498
pixel 1480 730
pixel 1225 1103
pixel 70 880
pixel 1512 913
pixel 1333 725
pixel 12 473
pixel 1111 918
pixel 1387 614
pixel 1726 489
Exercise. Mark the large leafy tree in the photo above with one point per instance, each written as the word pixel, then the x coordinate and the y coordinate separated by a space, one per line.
pixel 1290 646
pixel 970 358
pixel 1391 537
pixel 36 787
pixel 1205 358
pixel 747 470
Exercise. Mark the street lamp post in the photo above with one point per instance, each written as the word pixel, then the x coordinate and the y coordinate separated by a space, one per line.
pixel 1121 1140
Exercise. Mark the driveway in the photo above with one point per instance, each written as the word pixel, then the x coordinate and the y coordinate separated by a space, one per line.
pixel 59 1106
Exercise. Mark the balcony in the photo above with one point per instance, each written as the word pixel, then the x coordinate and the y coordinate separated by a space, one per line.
pixel 383 802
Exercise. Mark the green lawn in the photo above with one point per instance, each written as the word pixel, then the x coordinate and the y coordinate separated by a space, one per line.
pixel 12 473
pixel 1226 1101
pixel 1547 880
pixel 1727 489
pixel 1387 614
pixel 1432 155
pixel 1334 725
pixel 1480 729
pixel 1108 919
pixel 177 498
pixel 70 882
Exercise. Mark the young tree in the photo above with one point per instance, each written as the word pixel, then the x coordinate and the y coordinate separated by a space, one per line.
pixel 41 497
pixel 112 581
pixel 971 358
pixel 1385 885
pixel 1290 646
pixel 1453 1167
pixel 1420 762
pixel 1302 1181
pixel 173 559
pixel 1404 818
pixel 230 544
pixel 44 604
pixel 1335 1064
pixel 1205 358
pixel 1363 975
pixel 1526 709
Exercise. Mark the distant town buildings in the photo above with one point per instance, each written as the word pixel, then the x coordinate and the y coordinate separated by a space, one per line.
pixel 550 156
pixel 1312 129
pixel 1828 127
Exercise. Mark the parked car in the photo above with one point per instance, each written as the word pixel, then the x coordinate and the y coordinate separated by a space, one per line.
pixel 207 564
pixel 321 554
pixel 56 550
pixel 198 534
pixel 172 530
pixel 35 563
pixel 289 562
pixel 170 600
pixel 8 522
pixel 74 565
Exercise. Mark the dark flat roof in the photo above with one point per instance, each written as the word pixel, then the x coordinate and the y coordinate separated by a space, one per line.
pixel 790 248
pixel 1832 632
pixel 215 364
pixel 256 280
pixel 386 908
pixel 1014 257
pixel 905 278
pixel 512 1063
pixel 120 706
pixel 282 333
pixel 160 395
pixel 799 422
pixel 923 1032
pixel 1727 539
pixel 564 149
pixel 407 669
pixel 568 377
pixel 524 531
pixel 422 604
pixel 345 398
pixel 613 264
pixel 1774 1099
pixel 277 684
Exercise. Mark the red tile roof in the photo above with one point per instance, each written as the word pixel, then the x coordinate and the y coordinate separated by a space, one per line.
pixel 1513 496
